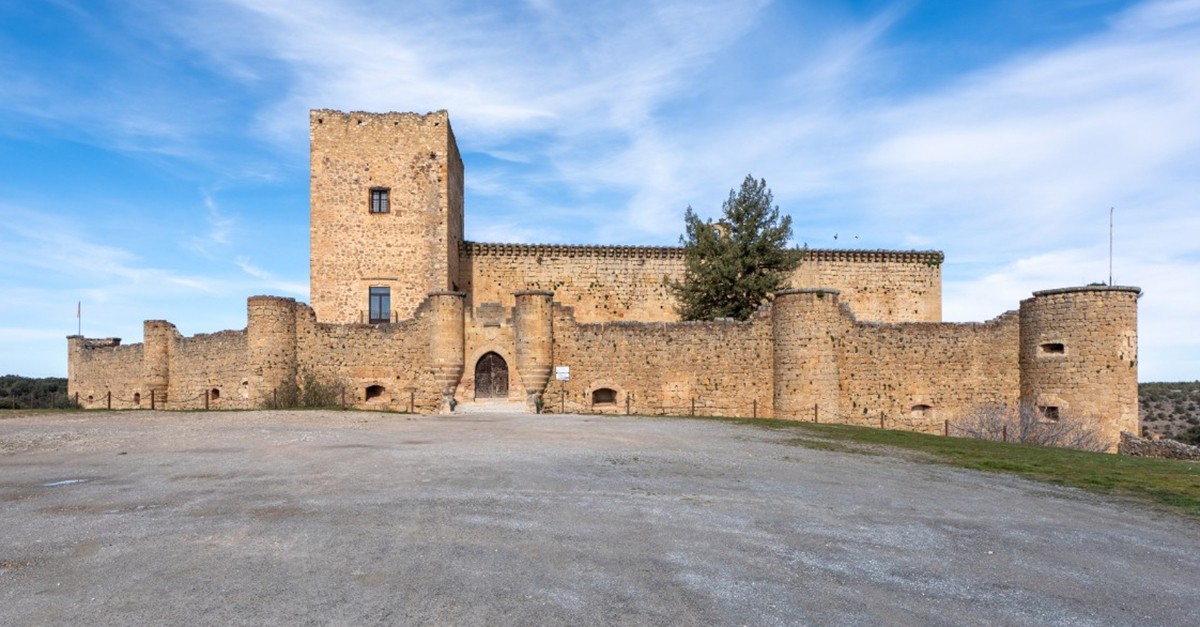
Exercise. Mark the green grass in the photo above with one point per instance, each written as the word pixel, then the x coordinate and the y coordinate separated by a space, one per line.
pixel 1172 484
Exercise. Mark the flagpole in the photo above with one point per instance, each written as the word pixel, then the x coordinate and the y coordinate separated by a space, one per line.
pixel 79 316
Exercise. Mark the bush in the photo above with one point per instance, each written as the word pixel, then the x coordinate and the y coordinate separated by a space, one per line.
pixel 310 391
pixel 1027 426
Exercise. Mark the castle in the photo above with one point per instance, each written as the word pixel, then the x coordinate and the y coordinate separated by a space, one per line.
pixel 406 315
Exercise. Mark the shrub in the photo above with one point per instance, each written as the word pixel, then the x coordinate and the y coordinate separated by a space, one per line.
pixel 1026 426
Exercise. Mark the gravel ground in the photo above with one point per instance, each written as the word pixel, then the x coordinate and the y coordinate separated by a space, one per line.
pixel 146 518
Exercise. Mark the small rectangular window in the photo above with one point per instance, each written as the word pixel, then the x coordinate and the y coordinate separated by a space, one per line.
pixel 1049 413
pixel 1053 348
pixel 379 199
pixel 381 304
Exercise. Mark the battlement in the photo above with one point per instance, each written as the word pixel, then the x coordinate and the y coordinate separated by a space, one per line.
pixel 478 249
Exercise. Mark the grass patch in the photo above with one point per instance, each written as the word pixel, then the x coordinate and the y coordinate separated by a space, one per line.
pixel 1167 483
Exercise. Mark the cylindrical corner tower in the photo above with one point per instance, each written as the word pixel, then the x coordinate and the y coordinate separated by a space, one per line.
pixel 535 341
pixel 1079 357
pixel 446 344
pixel 271 344
pixel 157 338
pixel 805 324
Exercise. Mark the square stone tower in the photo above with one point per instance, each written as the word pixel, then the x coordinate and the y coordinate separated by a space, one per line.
pixel 386 213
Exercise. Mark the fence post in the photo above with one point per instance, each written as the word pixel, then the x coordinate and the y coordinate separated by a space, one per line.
pixel 880 420
pixel 627 403
pixel 109 401
pixel 152 399
pixel 693 406
pixel 815 413
pixel 77 399
pixel 562 401
pixel 756 408
pixel 412 401
pixel 275 398
pixel 947 433
pixel 206 399
pixel 1004 433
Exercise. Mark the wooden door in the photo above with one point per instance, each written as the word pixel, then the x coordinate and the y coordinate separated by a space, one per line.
pixel 491 377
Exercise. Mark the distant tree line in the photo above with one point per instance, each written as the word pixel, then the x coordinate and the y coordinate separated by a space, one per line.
pixel 17 392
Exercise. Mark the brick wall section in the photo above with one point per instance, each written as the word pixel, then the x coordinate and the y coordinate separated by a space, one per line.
pixel 665 366
pixel 629 283
pixel 918 375
pixel 413 248
pixel 1079 354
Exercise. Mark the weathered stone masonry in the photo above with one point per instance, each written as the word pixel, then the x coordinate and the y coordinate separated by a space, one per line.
pixel 857 338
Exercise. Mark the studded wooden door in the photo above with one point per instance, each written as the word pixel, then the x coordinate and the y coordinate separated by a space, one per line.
pixel 491 377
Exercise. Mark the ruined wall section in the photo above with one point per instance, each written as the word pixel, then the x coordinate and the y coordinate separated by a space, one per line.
pixel 96 367
pixel 878 285
pixel 413 247
pixel 615 283
pixel 665 366
pixel 918 375
pixel 381 366
pixel 215 365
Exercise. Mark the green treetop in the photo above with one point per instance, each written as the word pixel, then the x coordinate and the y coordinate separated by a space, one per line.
pixel 732 265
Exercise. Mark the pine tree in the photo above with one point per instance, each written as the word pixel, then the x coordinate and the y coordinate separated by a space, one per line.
pixel 733 264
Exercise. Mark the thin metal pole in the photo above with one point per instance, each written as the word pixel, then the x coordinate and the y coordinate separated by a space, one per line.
pixel 205 400
pixel 110 399
pixel 693 407
pixel 1110 245
pixel 755 408
pixel 815 413
pixel 947 429
pixel 880 420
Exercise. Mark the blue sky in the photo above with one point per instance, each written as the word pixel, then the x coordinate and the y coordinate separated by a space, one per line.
pixel 155 153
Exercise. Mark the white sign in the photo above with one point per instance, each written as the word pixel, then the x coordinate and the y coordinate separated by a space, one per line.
pixel 562 373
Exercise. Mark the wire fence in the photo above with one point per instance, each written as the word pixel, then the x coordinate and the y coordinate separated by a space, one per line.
pixel 285 397
pixel 919 420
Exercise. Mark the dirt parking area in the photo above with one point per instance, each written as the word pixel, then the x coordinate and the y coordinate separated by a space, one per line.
pixel 145 518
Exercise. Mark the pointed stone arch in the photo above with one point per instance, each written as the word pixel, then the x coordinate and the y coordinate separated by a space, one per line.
pixel 491 377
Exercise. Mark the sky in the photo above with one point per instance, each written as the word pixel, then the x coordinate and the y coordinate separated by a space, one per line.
pixel 154 154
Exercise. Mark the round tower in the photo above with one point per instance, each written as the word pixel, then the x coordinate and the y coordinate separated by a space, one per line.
pixel 446 344
pixel 805 325
pixel 157 338
pixel 535 341
pixel 1079 357
pixel 271 344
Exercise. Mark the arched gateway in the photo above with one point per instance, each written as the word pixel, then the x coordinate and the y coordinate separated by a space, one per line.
pixel 491 377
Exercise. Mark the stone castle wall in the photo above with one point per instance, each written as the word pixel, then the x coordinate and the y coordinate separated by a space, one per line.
pixel 879 285
pixel 630 283
pixel 1078 355
pixel 413 247
pixel 663 367
pixel 857 338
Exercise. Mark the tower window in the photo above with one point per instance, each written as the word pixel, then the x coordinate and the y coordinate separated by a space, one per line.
pixel 381 304
pixel 1053 348
pixel 379 199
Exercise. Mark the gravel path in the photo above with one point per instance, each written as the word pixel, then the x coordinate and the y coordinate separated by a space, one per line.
pixel 145 518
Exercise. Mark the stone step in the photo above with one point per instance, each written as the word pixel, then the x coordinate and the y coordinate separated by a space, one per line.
pixel 490 407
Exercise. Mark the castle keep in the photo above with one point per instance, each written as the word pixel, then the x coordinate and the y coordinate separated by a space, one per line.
pixel 407 315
